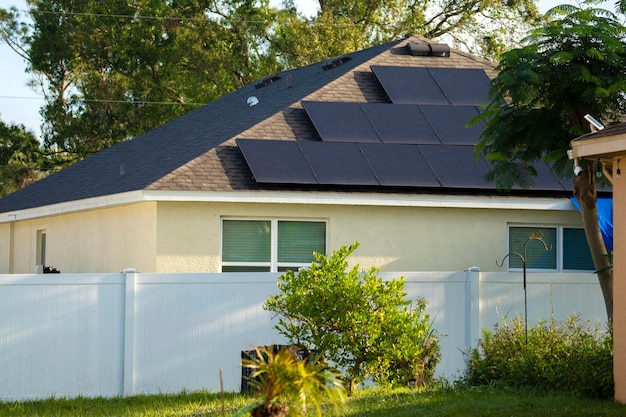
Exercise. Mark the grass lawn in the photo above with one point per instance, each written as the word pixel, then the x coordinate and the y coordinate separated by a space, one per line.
pixel 484 402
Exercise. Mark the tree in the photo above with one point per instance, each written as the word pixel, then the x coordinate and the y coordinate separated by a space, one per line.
pixel 113 70
pixel 483 27
pixel 360 323
pixel 572 66
pixel 21 158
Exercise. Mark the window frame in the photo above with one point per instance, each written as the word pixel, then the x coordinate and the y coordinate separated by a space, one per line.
pixel 559 248
pixel 40 251
pixel 273 264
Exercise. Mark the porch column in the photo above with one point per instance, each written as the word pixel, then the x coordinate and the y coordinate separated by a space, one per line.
pixel 619 279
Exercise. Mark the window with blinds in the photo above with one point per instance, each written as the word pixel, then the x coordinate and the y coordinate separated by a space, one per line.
pixel 270 245
pixel 576 254
pixel 568 249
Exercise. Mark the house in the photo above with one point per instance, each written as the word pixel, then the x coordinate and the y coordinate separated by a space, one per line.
pixel 370 146
pixel 608 146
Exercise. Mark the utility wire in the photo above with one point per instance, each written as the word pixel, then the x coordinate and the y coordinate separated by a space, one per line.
pixel 144 17
pixel 115 101
pixel 193 19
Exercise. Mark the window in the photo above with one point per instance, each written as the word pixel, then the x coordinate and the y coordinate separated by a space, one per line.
pixel 41 248
pixel 270 245
pixel 569 252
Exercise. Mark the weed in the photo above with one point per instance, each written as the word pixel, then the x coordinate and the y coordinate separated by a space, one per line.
pixel 567 356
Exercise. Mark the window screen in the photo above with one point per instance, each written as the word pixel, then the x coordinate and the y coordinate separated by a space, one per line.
pixel 270 245
pixel 298 240
pixel 535 252
pixel 246 241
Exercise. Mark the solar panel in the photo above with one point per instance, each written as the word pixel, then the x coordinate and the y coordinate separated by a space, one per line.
pixel 547 180
pixel 449 123
pixel 400 123
pixel 367 164
pixel 340 122
pixel 455 166
pixel 463 86
pixel 276 161
pixel 409 85
pixel 399 165
pixel 338 163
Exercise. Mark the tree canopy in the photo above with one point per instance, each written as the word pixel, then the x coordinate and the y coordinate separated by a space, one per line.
pixel 572 66
pixel 21 158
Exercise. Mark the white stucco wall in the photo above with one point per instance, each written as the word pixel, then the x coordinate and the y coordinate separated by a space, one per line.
pixel 102 240
pixel 185 236
pixel 391 238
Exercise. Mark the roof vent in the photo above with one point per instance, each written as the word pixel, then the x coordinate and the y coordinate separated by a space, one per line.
pixel 267 81
pixel 336 62
pixel 428 49
pixel 418 48
pixel 252 101
pixel 439 49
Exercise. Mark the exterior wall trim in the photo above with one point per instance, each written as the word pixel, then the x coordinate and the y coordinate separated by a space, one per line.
pixel 311 198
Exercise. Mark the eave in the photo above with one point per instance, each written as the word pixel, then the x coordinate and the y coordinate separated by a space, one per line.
pixel 300 198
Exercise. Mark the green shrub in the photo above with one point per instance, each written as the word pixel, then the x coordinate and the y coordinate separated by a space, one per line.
pixel 559 356
pixel 289 385
pixel 363 325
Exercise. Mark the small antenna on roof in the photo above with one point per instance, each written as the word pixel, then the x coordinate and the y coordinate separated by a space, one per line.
pixel 594 125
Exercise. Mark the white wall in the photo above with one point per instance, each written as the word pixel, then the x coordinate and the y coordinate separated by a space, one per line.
pixel 65 335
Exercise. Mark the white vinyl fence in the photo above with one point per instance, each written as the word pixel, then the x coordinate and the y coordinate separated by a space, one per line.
pixel 65 335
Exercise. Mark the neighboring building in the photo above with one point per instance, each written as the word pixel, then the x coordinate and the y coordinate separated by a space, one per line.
pixel 608 146
pixel 369 147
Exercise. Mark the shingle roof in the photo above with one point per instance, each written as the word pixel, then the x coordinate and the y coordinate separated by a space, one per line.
pixel 198 151
pixel 613 130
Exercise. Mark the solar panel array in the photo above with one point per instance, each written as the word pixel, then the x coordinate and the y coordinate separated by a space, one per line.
pixel 363 164
pixel 455 86
pixel 394 123
pixel 420 139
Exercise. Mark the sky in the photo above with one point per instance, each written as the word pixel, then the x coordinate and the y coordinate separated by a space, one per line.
pixel 20 104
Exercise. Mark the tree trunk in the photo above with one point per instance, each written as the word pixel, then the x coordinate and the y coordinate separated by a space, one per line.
pixel 585 193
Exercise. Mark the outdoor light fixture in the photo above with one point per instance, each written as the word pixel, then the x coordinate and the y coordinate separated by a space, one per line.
pixel 577 168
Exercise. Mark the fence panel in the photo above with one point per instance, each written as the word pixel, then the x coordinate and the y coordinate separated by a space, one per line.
pixel 60 335
pixel 548 296
pixel 66 335
pixel 189 326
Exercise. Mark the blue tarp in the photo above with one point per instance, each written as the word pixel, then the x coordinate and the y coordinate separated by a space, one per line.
pixel 605 218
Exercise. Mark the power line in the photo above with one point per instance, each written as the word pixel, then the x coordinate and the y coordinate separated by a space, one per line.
pixel 128 16
pixel 192 18
pixel 137 102
pixel 143 17
pixel 22 97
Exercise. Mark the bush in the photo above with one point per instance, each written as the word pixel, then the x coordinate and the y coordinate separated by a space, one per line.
pixel 559 356
pixel 360 323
